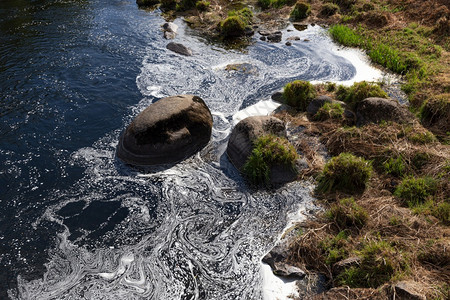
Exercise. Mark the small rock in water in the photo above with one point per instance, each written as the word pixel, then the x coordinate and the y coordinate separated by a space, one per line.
pixel 275 37
pixel 278 97
pixel 169 26
pixel 263 38
pixel 170 30
pixel 169 35
pixel 179 48
pixel 293 38
pixel 288 43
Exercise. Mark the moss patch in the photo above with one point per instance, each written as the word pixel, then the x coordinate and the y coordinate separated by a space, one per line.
pixel 298 94
pixel 345 172
pixel 269 150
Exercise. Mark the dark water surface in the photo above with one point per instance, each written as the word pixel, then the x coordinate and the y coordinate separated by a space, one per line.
pixel 75 223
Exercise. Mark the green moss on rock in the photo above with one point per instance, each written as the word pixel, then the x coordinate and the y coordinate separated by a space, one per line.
pixel 298 94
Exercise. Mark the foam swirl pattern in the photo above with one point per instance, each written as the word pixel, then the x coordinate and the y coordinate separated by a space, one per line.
pixel 194 231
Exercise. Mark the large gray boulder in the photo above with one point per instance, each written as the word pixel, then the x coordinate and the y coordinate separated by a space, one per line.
pixel 166 132
pixel 240 144
pixel 375 110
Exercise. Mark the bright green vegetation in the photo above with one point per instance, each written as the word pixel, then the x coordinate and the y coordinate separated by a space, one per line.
pixel 412 51
pixel 236 22
pixel 301 10
pixel 265 4
pixel 269 150
pixel 347 213
pixel 380 262
pixel 298 94
pixel 334 248
pixel 202 5
pixel 395 166
pixel 416 190
pixel 330 111
pixel 329 9
pixel 346 172
pixel 359 91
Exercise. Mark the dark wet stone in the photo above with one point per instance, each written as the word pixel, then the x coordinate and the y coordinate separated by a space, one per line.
pixel 285 270
pixel 288 44
pixel 166 132
pixel 278 97
pixel 293 38
pixel 179 48
pixel 316 104
pixel 263 38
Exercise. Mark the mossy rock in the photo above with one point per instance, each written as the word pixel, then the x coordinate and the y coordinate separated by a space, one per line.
pixel 272 158
pixel 359 91
pixel 232 26
pixel 329 9
pixel 299 94
pixel 258 147
pixel 301 11
pixel 345 172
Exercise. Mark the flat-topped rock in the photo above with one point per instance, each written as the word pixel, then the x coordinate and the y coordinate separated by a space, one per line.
pixel 179 48
pixel 166 132
pixel 375 110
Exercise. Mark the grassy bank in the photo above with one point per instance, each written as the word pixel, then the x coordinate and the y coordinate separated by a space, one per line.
pixel 408 38
pixel 385 195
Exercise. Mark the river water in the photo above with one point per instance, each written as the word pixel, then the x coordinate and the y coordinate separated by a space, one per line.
pixel 75 223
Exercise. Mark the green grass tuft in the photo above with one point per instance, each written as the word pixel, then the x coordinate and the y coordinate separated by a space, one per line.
pixel 347 213
pixel 330 111
pixel 395 166
pixel 380 262
pixel 202 5
pixel 268 150
pixel 359 91
pixel 346 172
pixel 416 190
pixel 329 9
pixel 298 94
pixel 334 248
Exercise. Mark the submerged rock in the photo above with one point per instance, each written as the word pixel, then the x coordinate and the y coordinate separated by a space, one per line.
pixel 179 48
pixel 375 110
pixel 166 132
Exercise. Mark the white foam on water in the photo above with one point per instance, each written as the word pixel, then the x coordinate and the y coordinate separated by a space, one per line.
pixel 193 230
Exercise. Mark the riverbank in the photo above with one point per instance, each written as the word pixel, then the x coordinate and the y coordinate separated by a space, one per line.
pixel 393 236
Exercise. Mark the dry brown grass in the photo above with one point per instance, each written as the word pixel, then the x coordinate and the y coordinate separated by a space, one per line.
pixel 420 238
